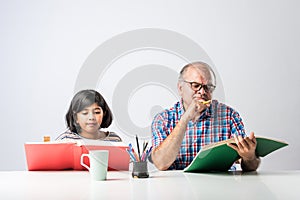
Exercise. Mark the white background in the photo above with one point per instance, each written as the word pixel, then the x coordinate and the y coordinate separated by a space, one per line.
pixel 254 45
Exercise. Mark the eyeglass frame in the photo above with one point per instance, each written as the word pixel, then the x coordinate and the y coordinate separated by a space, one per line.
pixel 205 87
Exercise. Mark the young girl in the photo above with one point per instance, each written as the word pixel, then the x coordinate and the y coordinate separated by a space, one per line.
pixel 87 114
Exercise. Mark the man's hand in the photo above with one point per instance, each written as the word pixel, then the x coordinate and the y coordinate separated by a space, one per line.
pixel 246 147
pixel 194 110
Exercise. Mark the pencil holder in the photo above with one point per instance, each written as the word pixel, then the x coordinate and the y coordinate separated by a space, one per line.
pixel 140 169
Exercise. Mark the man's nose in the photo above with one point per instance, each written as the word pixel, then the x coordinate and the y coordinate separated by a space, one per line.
pixel 201 91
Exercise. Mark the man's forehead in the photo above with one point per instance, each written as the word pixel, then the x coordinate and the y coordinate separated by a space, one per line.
pixel 196 72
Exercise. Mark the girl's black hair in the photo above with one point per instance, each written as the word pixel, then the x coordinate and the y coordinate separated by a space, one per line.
pixel 83 99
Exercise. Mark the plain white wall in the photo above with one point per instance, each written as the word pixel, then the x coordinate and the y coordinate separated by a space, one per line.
pixel 254 45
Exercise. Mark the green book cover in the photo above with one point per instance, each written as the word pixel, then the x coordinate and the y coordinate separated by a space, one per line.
pixel 220 157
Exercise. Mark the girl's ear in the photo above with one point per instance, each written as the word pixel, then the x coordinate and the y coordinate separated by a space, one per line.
pixel 75 118
pixel 76 124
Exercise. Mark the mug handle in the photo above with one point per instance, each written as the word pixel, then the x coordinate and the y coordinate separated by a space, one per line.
pixel 81 161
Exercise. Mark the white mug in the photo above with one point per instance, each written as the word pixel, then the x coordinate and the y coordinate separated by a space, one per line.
pixel 98 164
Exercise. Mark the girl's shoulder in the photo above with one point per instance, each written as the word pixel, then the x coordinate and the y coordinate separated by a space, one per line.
pixel 112 136
pixel 68 135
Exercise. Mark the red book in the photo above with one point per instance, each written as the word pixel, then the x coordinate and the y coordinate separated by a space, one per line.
pixel 60 155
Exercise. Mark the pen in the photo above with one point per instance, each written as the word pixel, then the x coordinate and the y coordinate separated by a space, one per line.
pixel 144 156
pixel 133 152
pixel 138 146
pixel 131 155
pixel 145 146
pixel 149 151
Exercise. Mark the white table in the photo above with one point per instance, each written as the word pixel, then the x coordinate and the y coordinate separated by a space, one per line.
pixel 72 185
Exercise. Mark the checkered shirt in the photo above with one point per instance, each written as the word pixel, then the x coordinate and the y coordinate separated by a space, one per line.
pixel 218 122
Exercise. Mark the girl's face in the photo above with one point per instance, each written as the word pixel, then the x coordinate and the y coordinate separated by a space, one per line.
pixel 89 120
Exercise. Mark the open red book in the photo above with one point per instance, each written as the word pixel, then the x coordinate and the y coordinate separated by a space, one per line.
pixel 61 155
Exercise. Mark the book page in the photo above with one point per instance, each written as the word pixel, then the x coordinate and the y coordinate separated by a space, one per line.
pixel 54 142
pixel 231 140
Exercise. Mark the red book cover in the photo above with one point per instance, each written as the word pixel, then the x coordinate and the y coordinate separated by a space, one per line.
pixel 49 156
pixel 66 155
pixel 118 158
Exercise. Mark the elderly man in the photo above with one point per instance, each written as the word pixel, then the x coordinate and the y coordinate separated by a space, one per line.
pixel 196 120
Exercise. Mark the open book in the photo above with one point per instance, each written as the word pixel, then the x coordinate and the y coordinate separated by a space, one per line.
pixel 61 155
pixel 220 157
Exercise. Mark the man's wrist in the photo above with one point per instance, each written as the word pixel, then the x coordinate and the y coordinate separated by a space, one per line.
pixel 249 159
pixel 184 119
pixel 250 164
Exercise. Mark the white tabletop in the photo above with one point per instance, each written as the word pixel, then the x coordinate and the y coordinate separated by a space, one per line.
pixel 160 185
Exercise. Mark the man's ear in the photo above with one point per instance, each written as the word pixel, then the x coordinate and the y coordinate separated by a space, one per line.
pixel 179 88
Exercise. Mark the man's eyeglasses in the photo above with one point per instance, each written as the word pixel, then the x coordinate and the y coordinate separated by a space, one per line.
pixel 198 86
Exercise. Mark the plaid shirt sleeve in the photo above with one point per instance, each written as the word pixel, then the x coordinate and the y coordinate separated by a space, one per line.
pixel 159 130
pixel 237 126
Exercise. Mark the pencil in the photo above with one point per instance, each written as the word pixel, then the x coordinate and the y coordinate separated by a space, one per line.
pixel 138 146
pixel 206 102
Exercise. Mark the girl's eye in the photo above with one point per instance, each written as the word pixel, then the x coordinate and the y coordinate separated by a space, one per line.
pixel 84 113
pixel 98 112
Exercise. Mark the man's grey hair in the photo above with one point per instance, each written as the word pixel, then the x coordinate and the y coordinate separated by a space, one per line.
pixel 204 67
